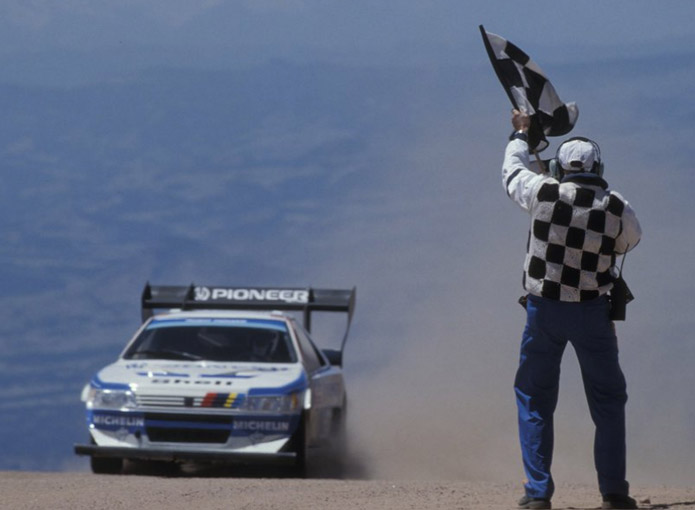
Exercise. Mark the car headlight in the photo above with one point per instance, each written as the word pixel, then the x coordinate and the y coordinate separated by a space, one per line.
pixel 111 399
pixel 273 403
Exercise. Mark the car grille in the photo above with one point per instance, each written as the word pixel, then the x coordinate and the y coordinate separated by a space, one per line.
pixel 187 428
pixel 160 401
pixel 219 400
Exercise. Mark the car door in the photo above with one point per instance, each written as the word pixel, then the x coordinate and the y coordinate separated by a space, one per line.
pixel 327 390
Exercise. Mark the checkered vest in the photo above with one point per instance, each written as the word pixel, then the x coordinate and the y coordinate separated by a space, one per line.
pixel 571 243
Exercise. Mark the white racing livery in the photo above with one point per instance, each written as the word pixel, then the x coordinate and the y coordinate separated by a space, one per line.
pixel 223 375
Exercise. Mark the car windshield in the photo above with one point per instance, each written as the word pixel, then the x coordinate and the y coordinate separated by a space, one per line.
pixel 258 341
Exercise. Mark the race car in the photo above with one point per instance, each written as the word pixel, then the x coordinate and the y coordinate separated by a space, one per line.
pixel 223 375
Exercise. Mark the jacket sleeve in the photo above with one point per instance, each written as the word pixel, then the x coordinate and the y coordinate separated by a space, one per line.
pixel 519 181
pixel 631 232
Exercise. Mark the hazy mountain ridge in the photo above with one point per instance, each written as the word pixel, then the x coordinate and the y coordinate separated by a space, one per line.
pixel 274 175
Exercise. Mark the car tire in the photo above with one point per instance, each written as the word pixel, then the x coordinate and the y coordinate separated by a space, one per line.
pixel 300 448
pixel 340 442
pixel 106 465
pixel 337 452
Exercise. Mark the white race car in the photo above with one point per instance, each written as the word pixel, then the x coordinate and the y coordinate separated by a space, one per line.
pixel 224 375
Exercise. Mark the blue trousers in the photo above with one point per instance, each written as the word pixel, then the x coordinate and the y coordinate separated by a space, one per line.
pixel 550 325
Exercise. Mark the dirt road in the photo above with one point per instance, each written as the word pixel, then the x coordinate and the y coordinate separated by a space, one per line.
pixel 77 491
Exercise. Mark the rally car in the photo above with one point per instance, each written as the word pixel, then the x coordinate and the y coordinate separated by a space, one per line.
pixel 219 374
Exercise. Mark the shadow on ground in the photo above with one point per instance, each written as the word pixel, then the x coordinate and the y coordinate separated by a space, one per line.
pixel 319 468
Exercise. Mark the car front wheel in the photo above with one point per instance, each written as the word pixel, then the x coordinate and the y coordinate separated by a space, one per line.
pixel 106 465
pixel 300 447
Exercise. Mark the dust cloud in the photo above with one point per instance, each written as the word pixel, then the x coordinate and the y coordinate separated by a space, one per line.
pixel 435 250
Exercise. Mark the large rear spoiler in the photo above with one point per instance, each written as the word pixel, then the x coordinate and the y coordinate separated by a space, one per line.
pixel 199 297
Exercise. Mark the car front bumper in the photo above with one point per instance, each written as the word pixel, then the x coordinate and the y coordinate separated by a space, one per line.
pixel 186 455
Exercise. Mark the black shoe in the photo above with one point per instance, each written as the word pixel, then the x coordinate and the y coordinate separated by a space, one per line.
pixel 618 501
pixel 535 503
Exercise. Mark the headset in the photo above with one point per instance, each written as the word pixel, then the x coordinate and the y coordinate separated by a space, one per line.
pixel 556 170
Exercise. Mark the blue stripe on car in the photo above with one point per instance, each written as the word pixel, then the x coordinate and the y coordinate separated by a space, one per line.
pixel 245 323
pixel 101 385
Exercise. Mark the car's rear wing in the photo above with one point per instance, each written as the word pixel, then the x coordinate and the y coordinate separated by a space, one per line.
pixel 200 297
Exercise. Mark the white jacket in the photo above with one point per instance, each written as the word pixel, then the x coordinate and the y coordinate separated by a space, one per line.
pixel 578 226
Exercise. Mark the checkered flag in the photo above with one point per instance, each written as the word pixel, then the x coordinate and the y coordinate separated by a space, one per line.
pixel 530 91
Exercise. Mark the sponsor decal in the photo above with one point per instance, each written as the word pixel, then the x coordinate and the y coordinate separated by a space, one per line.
pixel 162 374
pixel 271 426
pixel 228 400
pixel 201 294
pixel 117 421
pixel 263 428
pixel 227 294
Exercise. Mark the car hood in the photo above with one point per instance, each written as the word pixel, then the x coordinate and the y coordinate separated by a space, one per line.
pixel 200 377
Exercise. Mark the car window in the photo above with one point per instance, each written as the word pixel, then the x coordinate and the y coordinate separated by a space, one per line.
pixel 213 341
pixel 312 359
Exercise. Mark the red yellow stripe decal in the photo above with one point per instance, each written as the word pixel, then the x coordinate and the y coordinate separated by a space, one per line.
pixel 219 400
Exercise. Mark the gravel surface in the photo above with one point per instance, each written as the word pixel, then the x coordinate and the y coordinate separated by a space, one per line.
pixel 76 491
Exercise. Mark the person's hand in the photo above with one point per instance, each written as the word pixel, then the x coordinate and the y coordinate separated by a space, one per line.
pixel 521 121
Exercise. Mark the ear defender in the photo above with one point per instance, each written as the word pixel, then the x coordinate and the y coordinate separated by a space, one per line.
pixel 599 168
pixel 555 169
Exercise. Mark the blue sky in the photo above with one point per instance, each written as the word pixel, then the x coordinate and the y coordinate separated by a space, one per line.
pixel 360 144
pixel 102 36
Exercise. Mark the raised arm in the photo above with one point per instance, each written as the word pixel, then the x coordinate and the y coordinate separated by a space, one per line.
pixel 518 179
